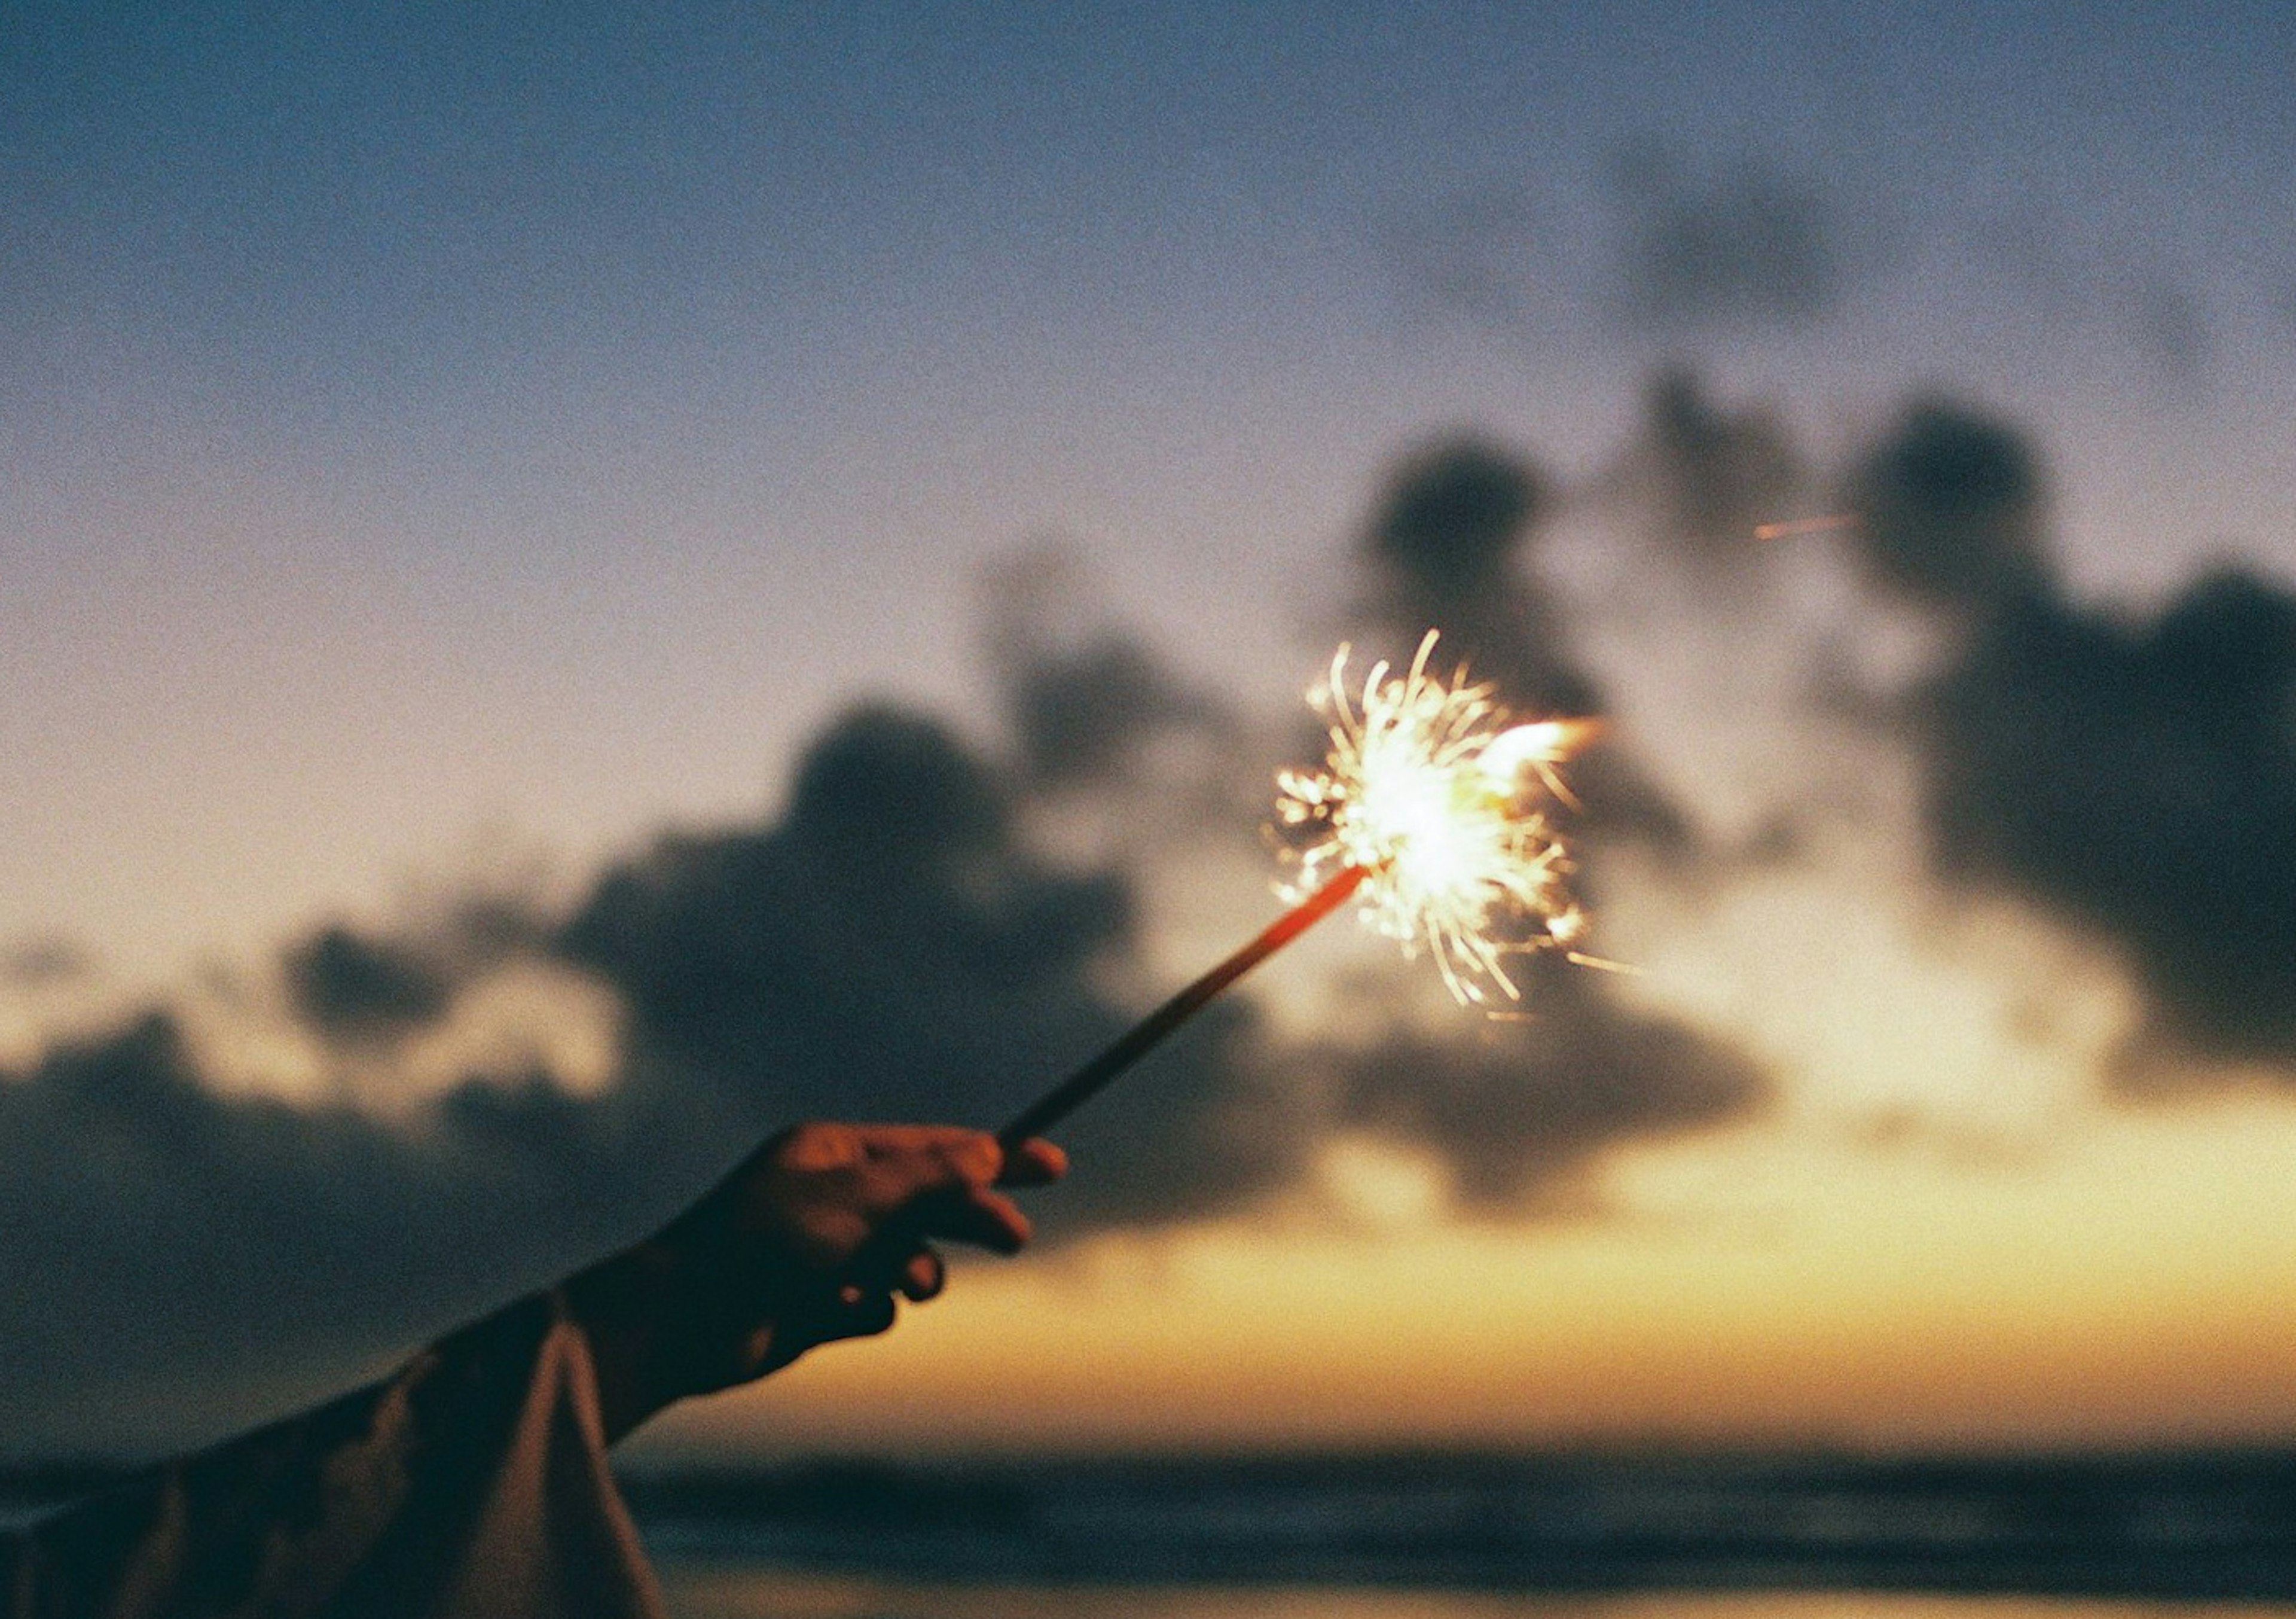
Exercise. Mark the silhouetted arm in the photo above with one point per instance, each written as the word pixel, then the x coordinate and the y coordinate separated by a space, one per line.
pixel 473 1482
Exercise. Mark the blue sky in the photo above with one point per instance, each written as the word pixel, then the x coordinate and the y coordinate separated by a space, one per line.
pixel 603 351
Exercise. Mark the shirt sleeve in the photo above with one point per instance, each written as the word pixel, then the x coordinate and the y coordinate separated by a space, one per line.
pixel 472 1482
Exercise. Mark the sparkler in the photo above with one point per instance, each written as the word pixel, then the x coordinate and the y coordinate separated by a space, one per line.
pixel 1432 811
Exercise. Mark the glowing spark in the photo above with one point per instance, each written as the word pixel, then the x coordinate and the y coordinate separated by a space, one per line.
pixel 1601 963
pixel 1440 804
pixel 1804 525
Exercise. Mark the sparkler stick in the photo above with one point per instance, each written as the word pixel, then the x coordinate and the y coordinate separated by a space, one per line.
pixel 1431 807
pixel 1149 1032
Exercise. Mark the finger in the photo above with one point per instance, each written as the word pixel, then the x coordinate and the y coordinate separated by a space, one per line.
pixel 977 1217
pixel 923 1276
pixel 1034 1161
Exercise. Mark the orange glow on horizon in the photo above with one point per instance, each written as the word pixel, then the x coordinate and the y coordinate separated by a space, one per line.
pixel 1904 1306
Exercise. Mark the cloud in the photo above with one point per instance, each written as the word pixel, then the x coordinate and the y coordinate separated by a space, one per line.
pixel 2074 277
pixel 43 962
pixel 1518 1107
pixel 891 948
pixel 163 1235
pixel 2168 317
pixel 1676 248
pixel 1677 243
pixel 1704 476
pixel 2141 779
pixel 1454 522
pixel 1745 247
pixel 348 984
pixel 1950 509
pixel 1513 1109
pixel 2136 776
pixel 1090 712
pixel 1473 253
pixel 1093 705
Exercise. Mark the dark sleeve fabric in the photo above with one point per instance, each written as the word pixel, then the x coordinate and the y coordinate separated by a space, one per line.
pixel 472 1482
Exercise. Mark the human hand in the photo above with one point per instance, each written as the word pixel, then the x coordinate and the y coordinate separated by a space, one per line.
pixel 814 1238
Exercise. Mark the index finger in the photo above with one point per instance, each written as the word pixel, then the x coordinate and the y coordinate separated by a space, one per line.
pixel 1034 1161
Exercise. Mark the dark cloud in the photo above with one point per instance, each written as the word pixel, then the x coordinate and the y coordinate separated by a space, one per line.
pixel 1744 247
pixel 876 953
pixel 349 984
pixel 1088 714
pixel 1089 706
pixel 891 949
pixel 1706 475
pixel 2137 778
pixel 1446 548
pixel 1450 547
pixel 2140 778
pixel 1681 247
pixel 1455 518
pixel 43 962
pixel 161 1235
pixel 888 947
pixel 1514 1110
pixel 1950 508
pixel 1513 1107
pixel 2071 279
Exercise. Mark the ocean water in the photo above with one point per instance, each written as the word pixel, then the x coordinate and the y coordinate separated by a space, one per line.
pixel 2203 1535
pixel 729 1592
pixel 1478 1537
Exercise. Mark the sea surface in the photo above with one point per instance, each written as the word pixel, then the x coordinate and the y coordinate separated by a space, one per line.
pixel 2205 1536
pixel 767 1594
pixel 727 1593
pixel 2201 1535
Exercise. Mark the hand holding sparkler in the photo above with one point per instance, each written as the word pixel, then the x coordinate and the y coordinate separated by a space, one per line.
pixel 1432 810
pixel 812 1239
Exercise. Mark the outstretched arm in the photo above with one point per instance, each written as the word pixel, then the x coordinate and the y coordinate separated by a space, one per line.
pixel 473 1482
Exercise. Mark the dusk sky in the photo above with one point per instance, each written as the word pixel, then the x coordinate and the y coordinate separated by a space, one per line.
pixel 912 457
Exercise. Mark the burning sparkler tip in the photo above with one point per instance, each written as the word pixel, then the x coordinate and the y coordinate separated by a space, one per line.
pixel 1441 802
pixel 1428 808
